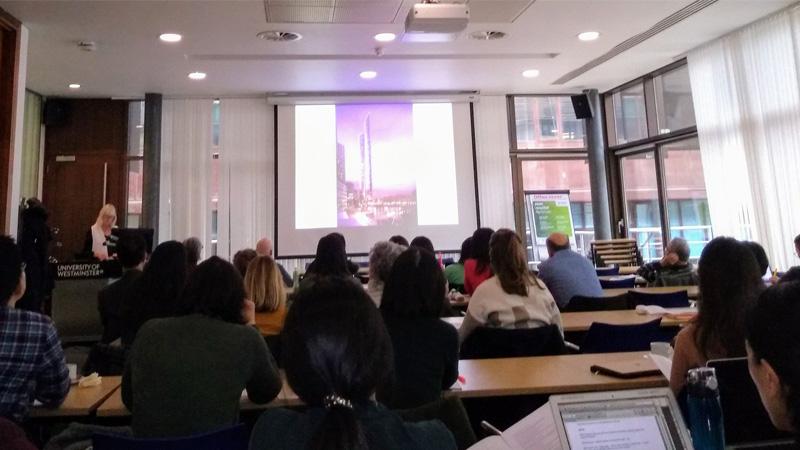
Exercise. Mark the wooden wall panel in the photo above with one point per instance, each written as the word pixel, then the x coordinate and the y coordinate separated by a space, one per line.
pixel 9 67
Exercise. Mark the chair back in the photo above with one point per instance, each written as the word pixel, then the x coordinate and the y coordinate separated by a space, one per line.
pixel 233 438
pixel 622 252
pixel 610 271
pixel 607 338
pixel 580 303
pixel 679 299
pixel 488 343
pixel 620 283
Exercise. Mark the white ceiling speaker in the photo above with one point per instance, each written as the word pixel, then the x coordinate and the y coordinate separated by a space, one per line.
pixel 279 36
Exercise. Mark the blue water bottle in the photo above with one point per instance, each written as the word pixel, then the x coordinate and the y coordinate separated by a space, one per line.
pixel 705 412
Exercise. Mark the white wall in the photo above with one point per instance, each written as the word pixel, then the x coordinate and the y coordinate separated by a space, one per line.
pixel 495 193
pixel 12 216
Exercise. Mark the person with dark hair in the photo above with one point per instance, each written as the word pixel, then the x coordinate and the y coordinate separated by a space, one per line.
pixel 513 297
pixel 423 243
pixel 32 365
pixel 792 274
pixel 242 259
pixel 797 245
pixel 264 248
pixel 156 292
pixel 336 354
pixel 567 273
pixel 194 248
pixel 729 285
pixel 674 269
pixel 454 273
pixel 425 347
pixel 330 261
pixel 34 240
pixel 185 375
pixel 131 252
pixel 381 259
pixel 760 255
pixel 772 343
pixel 399 240
pixel 477 268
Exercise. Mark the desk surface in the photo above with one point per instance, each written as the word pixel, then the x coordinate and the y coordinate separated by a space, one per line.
pixel 80 401
pixel 692 291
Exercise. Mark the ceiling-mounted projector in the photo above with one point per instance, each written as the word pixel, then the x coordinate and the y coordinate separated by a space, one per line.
pixel 437 18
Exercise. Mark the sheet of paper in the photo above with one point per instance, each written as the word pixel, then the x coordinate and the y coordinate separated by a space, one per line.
pixel 663 363
pixel 629 433
pixel 536 431
pixel 491 443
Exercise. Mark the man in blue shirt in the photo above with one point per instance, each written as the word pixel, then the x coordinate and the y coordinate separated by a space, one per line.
pixel 32 364
pixel 566 273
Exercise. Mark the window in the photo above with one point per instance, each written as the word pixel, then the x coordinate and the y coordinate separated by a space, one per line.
pixel 673 95
pixel 215 174
pixel 560 175
pixel 135 164
pixel 640 192
pixel 547 123
pixel 630 116
pixel 687 201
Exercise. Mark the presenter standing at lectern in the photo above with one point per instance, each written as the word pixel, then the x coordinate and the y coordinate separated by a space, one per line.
pixel 99 233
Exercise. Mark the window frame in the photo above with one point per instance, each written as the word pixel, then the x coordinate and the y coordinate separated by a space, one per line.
pixel 127 165
pixel 512 129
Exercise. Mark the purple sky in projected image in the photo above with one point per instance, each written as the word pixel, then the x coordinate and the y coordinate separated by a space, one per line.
pixel 392 131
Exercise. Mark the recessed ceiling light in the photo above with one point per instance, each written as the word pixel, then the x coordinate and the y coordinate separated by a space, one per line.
pixel 589 36
pixel 171 37
pixel 530 73
pixel 216 101
pixel 74 86
pixel 368 74
pixel 197 75
pixel 385 37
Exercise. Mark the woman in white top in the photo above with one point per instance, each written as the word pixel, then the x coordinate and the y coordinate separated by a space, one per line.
pixel 513 297
pixel 100 231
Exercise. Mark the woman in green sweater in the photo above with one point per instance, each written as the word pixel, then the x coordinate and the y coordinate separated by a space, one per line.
pixel 185 375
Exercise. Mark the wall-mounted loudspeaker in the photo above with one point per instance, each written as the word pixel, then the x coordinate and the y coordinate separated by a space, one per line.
pixel 580 103
pixel 56 112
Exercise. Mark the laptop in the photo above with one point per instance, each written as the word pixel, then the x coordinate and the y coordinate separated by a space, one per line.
pixel 746 422
pixel 640 419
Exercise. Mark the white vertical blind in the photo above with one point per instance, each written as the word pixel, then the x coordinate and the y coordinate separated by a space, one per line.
pixel 746 89
pixel 495 193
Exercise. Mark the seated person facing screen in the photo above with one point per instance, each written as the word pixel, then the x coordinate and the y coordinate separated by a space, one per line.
pixel 773 340
pixel 381 258
pixel 729 284
pixel 761 258
pixel 32 365
pixel 454 273
pixel 185 375
pixel 156 292
pixel 241 260
pixel 513 297
pixel 337 353
pixel 566 273
pixel 674 269
pixel 194 248
pixel 425 347
pixel 329 261
pixel 477 268
pixel 423 243
pixel 399 240
pixel 264 287
pixel 131 252
pixel 264 248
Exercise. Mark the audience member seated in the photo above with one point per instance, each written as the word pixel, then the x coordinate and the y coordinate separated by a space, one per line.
pixel 400 240
pixel 773 340
pixel 185 375
pixel 194 248
pixel 729 284
pixel 513 297
pixel 156 292
pixel 423 243
pixel 330 261
pixel 792 274
pixel 264 287
pixel 381 258
pixel 454 273
pixel 674 269
pixel 131 252
pixel 797 245
pixel 242 258
pixel 32 365
pixel 566 273
pixel 425 347
pixel 264 248
pixel 337 353
pixel 761 258
pixel 477 268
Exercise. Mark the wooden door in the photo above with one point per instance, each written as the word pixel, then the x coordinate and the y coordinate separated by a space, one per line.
pixel 9 61
pixel 74 186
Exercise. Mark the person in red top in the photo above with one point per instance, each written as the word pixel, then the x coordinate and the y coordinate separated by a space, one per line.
pixel 477 268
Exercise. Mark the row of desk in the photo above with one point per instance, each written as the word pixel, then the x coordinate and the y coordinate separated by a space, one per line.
pixel 541 375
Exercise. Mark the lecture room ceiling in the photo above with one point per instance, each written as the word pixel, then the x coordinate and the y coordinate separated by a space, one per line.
pixel 219 39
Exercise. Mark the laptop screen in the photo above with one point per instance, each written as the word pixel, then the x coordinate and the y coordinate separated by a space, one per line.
pixel 641 423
